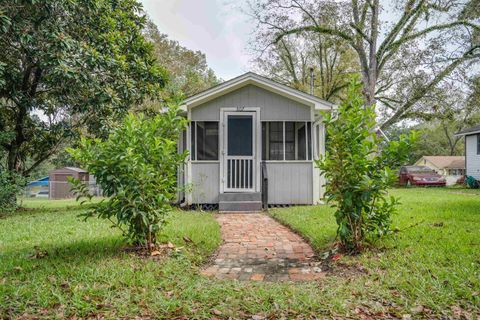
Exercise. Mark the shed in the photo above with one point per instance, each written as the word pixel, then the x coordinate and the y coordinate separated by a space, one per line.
pixel 59 185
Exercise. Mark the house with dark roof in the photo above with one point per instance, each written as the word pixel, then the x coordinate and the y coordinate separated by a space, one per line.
pixel 472 150
pixel 451 167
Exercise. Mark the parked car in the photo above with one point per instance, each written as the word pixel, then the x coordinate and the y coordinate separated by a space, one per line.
pixel 420 176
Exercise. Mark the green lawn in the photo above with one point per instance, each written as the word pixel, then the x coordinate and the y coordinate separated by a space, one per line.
pixel 432 262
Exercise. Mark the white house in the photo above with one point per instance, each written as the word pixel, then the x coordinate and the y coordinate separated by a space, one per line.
pixel 451 167
pixel 250 140
pixel 472 151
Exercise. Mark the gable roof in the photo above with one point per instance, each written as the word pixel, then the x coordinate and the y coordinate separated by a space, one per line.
pixel 259 81
pixel 446 162
pixel 471 130
pixel 75 169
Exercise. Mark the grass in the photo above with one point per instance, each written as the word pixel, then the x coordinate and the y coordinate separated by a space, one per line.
pixel 432 262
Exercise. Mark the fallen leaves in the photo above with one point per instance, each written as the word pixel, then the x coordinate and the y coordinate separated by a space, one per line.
pixel 18 269
pixel 337 257
pixel 39 253
pixel 217 312
pixel 187 239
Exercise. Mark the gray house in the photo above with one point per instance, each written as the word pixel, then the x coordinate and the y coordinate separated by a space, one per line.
pixel 472 151
pixel 251 138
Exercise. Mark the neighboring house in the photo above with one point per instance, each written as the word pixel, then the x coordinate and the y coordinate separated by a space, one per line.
pixel 472 150
pixel 245 131
pixel 451 167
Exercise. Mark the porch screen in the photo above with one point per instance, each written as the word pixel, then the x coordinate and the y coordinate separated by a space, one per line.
pixel 287 140
pixel 204 140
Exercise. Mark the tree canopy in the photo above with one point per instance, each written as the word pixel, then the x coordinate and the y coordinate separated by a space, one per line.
pixel 290 59
pixel 188 70
pixel 412 52
pixel 66 67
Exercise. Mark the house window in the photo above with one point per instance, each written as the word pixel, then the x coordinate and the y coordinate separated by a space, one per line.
pixel 204 140
pixel 287 140
pixel 478 143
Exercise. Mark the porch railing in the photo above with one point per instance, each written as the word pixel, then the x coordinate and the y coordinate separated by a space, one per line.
pixel 240 173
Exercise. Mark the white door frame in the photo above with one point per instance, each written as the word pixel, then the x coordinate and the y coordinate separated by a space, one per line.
pixel 256 146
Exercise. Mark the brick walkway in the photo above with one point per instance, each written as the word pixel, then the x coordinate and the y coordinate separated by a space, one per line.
pixel 258 248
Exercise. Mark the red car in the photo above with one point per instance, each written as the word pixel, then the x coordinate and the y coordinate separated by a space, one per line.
pixel 420 176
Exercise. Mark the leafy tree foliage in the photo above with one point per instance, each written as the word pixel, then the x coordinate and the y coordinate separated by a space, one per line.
pixel 359 168
pixel 137 170
pixel 422 44
pixel 66 67
pixel 289 60
pixel 188 70
pixel 455 106
pixel 11 184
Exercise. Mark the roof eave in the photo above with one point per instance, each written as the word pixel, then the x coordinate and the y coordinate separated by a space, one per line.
pixel 265 83
pixel 460 134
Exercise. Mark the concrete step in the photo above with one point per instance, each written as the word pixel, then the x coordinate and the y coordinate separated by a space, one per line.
pixel 235 206
pixel 240 196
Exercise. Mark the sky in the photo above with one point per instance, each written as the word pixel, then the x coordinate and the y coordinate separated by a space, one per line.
pixel 216 27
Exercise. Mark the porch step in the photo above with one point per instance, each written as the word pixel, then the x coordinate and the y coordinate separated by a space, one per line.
pixel 240 196
pixel 232 202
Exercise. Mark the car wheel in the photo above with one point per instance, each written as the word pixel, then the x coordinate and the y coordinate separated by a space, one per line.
pixel 408 184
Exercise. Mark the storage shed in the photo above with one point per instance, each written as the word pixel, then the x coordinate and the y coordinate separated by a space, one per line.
pixel 59 185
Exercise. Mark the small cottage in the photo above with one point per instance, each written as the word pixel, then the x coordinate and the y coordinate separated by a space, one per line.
pixel 472 150
pixel 251 141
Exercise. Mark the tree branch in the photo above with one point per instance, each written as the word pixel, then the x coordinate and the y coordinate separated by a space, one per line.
pixel 320 29
pixel 413 36
pixel 422 91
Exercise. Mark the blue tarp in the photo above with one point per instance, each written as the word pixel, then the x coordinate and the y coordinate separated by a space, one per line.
pixel 40 182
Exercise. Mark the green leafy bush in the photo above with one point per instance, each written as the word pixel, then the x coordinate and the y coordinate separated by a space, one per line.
pixel 137 170
pixel 11 184
pixel 359 168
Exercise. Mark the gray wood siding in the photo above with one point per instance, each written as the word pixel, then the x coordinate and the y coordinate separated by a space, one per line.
pixel 205 182
pixel 472 158
pixel 274 107
pixel 290 183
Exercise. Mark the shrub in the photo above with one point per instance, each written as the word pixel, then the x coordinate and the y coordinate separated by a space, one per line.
pixel 11 184
pixel 137 170
pixel 359 168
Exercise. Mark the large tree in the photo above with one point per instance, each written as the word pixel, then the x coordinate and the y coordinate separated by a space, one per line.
pixel 289 60
pixel 456 105
pixel 67 66
pixel 411 27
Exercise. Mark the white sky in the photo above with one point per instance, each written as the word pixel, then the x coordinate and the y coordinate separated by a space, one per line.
pixel 218 28
pixel 215 27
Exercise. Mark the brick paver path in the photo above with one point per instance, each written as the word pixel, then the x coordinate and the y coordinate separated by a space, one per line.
pixel 258 248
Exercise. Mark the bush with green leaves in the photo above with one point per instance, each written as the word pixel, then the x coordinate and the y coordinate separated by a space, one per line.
pixel 11 184
pixel 359 167
pixel 137 170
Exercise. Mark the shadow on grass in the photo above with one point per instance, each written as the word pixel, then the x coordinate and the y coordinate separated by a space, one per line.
pixel 73 254
pixel 26 212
